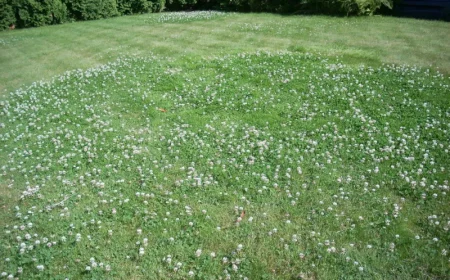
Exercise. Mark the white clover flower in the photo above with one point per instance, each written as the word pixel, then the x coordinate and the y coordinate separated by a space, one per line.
pixel 239 247
pixel 198 253
pixel 40 267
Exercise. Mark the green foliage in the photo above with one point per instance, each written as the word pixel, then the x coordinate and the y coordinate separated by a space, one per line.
pixel 181 4
pixel 370 6
pixel 348 7
pixel 94 9
pixel 6 15
pixel 159 5
pixel 33 13
pixel 58 11
pixel 126 7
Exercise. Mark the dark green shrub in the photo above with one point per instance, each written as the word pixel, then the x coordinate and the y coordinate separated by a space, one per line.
pixel 181 4
pixel 32 13
pixel 368 7
pixel 342 7
pixel 126 7
pixel 58 11
pixel 7 17
pixel 345 7
pixel 93 9
pixel 159 6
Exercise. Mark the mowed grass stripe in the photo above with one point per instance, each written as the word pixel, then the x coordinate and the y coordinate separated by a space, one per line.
pixel 55 49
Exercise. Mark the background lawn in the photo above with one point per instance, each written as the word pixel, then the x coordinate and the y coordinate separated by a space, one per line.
pixel 225 146
pixel 29 55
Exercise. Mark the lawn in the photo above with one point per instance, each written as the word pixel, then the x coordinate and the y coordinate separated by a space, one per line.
pixel 30 55
pixel 226 146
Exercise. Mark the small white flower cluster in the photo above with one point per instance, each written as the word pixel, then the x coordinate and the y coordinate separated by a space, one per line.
pixel 179 17
pixel 94 265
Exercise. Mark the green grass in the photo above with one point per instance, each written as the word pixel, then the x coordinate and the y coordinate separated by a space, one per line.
pixel 33 54
pixel 214 160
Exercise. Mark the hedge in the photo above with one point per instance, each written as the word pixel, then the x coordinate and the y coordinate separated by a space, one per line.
pixel 32 13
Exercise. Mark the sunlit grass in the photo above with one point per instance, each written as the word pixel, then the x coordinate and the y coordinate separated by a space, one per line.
pixel 225 146
pixel 40 53
pixel 254 165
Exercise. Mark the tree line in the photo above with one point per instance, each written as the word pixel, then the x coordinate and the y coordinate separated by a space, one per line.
pixel 33 13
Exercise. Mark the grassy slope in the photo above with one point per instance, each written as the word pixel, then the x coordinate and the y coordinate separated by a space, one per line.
pixel 33 54
pixel 236 130
pixel 350 124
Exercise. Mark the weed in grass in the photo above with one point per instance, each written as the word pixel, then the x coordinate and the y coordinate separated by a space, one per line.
pixel 180 17
pixel 260 166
